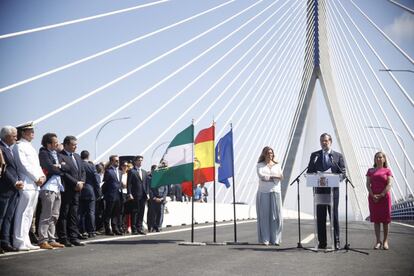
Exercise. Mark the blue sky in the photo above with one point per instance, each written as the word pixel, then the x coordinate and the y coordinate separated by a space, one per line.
pixel 28 55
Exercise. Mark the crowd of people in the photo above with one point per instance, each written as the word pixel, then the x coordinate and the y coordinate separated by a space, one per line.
pixel 56 198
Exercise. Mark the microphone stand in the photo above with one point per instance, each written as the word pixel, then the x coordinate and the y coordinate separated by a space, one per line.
pixel 347 246
pixel 297 180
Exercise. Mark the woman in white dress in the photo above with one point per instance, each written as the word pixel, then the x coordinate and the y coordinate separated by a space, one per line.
pixel 269 199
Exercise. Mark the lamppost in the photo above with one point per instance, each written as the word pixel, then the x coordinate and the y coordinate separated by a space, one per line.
pixel 100 129
pixel 155 149
pixel 396 70
pixel 403 145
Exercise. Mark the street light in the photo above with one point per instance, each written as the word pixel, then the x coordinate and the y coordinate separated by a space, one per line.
pixel 155 149
pixel 397 70
pixel 403 145
pixel 100 129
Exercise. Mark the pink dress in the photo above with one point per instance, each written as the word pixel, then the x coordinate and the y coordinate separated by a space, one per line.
pixel 380 212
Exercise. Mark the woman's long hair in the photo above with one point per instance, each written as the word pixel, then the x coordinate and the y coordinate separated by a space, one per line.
pixel 262 157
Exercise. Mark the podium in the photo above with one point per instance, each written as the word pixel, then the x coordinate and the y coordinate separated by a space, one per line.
pixel 323 180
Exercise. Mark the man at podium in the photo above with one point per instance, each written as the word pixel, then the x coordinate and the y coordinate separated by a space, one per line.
pixel 327 160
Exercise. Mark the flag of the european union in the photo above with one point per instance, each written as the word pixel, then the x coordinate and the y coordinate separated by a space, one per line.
pixel 224 157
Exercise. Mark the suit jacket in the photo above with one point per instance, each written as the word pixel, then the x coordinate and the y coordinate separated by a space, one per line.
pixel 10 176
pixel 315 165
pixel 91 190
pixel 111 188
pixel 71 174
pixel 47 161
pixel 136 186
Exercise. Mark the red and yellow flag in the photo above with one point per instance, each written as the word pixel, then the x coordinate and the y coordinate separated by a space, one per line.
pixel 204 170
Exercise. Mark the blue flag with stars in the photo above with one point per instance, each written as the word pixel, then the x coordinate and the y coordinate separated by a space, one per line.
pixel 224 157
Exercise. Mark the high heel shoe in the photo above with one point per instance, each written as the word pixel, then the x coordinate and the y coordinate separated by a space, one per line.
pixel 385 246
pixel 378 245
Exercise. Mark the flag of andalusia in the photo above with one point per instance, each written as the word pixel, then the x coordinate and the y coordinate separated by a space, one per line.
pixel 176 166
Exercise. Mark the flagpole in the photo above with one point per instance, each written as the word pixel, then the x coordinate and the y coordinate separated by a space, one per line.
pixel 214 188
pixel 192 197
pixel 234 193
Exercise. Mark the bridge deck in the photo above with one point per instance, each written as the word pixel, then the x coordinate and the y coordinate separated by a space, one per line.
pixel 159 253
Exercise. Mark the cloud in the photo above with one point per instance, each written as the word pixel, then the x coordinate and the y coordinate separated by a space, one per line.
pixel 402 29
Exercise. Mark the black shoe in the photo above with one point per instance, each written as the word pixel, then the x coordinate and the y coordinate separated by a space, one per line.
pixel 1 251
pixel 33 238
pixel 109 233
pixel 83 236
pixel 322 246
pixel 9 248
pixel 66 244
pixel 141 232
pixel 91 235
pixel 118 233
pixel 77 243
pixel 134 233
pixel 157 230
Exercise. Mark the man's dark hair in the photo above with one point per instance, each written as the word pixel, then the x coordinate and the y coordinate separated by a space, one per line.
pixel 68 139
pixel 112 157
pixel 47 139
pixel 326 134
pixel 138 157
pixel 84 154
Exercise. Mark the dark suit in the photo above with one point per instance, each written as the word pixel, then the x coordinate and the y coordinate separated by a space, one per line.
pixel 139 189
pixel 155 215
pixel 9 196
pixel 337 165
pixel 68 219
pixel 111 190
pixel 90 192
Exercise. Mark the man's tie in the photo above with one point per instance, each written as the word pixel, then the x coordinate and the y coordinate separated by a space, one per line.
pixel 140 173
pixel 74 161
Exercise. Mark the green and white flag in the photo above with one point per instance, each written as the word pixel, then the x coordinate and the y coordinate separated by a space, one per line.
pixel 176 165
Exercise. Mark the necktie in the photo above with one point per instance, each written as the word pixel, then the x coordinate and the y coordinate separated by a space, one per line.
pixel 140 173
pixel 326 161
pixel 74 161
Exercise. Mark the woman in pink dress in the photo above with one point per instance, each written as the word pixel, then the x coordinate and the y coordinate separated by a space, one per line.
pixel 379 185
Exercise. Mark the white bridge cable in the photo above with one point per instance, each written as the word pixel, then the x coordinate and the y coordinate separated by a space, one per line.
pixel 376 98
pixel 242 71
pixel 368 101
pixel 229 119
pixel 251 101
pixel 383 34
pixel 402 6
pixel 359 103
pixel 107 51
pixel 349 102
pixel 259 122
pixel 392 75
pixel 276 129
pixel 350 80
pixel 244 163
pixel 75 21
pixel 351 113
pixel 139 68
pixel 217 81
pixel 192 82
pixel 287 100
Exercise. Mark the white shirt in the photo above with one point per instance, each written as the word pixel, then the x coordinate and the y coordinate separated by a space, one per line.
pixel 28 164
pixel 265 172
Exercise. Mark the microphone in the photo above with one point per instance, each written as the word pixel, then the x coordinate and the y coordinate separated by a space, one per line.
pixel 336 164
pixel 315 159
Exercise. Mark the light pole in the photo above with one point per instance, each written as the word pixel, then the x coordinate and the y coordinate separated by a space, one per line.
pixel 396 70
pixel 403 145
pixel 100 129
pixel 155 149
